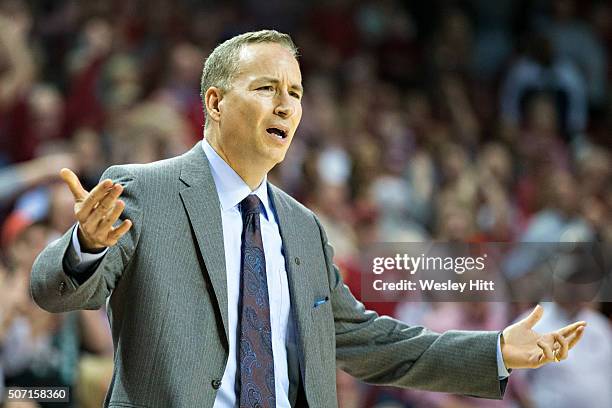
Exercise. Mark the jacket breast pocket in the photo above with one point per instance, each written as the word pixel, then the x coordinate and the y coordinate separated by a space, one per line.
pixel 323 321
pixel 321 308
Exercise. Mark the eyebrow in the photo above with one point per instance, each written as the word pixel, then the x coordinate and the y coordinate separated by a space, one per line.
pixel 296 87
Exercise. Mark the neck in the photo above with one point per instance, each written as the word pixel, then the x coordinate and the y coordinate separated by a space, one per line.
pixel 251 173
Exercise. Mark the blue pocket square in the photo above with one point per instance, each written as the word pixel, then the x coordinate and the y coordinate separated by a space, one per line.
pixel 321 301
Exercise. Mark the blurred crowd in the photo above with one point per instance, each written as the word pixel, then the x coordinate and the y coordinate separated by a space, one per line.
pixel 460 121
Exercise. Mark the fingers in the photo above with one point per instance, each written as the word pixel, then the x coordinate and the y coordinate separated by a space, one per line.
pixel 112 216
pixel 533 317
pixel 117 233
pixel 562 344
pixel 565 331
pixel 547 351
pixel 108 201
pixel 106 205
pixel 105 235
pixel 77 190
pixel 561 353
pixel 94 198
pixel 575 337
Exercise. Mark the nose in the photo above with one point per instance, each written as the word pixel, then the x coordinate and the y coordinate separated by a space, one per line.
pixel 284 108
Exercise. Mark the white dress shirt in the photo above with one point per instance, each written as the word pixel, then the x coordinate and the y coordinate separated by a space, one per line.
pixel 232 190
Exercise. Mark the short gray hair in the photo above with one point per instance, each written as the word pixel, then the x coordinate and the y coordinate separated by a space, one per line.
pixel 222 63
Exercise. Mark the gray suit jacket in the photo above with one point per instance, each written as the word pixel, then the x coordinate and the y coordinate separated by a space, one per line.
pixel 168 302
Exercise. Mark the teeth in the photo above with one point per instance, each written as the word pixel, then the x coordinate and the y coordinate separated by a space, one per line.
pixel 279 133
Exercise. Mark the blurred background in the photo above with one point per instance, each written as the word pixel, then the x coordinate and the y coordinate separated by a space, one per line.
pixel 464 121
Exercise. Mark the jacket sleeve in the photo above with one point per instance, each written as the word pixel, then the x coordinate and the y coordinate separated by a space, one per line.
pixel 52 286
pixel 382 350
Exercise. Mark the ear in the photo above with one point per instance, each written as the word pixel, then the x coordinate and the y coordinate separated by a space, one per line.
pixel 213 97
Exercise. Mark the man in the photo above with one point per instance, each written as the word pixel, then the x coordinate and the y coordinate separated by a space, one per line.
pixel 222 287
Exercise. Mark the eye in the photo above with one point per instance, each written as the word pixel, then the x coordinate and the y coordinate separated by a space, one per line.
pixel 266 88
pixel 295 95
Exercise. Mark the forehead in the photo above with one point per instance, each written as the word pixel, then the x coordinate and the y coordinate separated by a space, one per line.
pixel 268 59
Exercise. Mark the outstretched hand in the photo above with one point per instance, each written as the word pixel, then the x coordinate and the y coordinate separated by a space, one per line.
pixel 524 348
pixel 96 212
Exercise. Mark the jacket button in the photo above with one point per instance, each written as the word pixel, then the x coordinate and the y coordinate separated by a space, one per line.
pixel 216 384
pixel 297 260
pixel 62 288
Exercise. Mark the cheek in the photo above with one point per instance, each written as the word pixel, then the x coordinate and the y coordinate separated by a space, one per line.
pixel 255 110
pixel 298 114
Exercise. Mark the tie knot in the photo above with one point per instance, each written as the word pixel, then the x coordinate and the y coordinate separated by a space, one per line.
pixel 250 205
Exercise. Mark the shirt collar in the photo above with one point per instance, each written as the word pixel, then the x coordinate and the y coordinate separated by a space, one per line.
pixel 230 187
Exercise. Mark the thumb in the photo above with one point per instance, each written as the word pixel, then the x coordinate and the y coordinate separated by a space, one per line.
pixel 73 183
pixel 534 317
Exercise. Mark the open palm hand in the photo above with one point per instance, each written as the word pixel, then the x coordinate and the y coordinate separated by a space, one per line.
pixel 522 347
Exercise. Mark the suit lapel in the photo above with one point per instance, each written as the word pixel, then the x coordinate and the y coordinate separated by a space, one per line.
pixel 203 209
pixel 301 297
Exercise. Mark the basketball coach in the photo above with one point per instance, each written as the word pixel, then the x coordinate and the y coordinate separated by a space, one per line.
pixel 221 288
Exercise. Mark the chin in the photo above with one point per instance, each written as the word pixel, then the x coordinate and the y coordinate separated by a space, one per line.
pixel 274 156
pixel 280 157
pixel 274 161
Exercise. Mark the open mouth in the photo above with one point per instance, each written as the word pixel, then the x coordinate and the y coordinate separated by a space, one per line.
pixel 281 134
